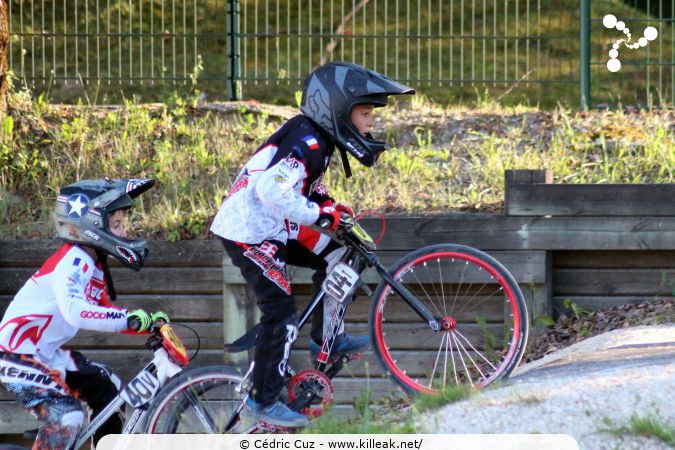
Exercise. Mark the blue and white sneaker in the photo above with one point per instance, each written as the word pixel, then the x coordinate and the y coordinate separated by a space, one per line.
pixel 343 344
pixel 276 414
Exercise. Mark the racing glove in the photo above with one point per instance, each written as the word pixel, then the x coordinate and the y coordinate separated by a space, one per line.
pixel 138 320
pixel 329 218
pixel 339 206
pixel 159 315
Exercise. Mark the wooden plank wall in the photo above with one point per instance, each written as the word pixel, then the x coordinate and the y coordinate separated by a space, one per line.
pixel 610 244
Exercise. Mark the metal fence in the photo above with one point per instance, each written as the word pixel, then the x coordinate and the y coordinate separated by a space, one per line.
pixel 450 49
pixel 140 45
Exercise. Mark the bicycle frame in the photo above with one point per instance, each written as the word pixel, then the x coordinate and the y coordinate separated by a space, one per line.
pixel 138 393
pixel 359 256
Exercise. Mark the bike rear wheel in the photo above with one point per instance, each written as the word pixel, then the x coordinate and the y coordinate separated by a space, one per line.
pixel 481 310
pixel 198 401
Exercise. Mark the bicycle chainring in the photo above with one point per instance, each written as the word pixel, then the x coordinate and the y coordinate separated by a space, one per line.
pixel 316 381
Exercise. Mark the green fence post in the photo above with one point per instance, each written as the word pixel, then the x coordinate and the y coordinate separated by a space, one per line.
pixel 233 56
pixel 585 54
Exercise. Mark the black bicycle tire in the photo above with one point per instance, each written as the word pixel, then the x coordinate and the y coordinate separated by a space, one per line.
pixel 389 366
pixel 180 382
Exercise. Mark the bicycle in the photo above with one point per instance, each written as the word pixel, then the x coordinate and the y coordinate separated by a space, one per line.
pixel 169 357
pixel 474 335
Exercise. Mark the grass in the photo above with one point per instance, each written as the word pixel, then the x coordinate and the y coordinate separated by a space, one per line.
pixel 451 394
pixel 441 158
pixel 649 426
pixel 380 418
pixel 365 421
pixel 279 49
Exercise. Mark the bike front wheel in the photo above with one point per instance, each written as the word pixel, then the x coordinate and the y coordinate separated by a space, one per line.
pixel 199 401
pixel 481 309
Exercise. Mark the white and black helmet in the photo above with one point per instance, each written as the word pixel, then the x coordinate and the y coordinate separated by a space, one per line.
pixel 330 93
pixel 83 211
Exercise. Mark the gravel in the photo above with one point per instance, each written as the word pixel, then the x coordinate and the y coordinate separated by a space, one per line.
pixel 596 384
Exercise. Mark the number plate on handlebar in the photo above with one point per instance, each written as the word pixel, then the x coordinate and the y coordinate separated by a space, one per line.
pixel 341 282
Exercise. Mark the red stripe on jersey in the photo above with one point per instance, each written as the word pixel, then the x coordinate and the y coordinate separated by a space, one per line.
pixel 308 237
pixel 51 263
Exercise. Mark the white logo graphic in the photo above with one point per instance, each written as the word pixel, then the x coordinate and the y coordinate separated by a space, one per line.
pixel 610 21
pixel 76 206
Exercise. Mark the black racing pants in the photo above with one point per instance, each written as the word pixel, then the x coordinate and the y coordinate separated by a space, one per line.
pixel 263 266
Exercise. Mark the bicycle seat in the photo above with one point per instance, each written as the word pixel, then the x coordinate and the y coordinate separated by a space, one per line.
pixel 245 342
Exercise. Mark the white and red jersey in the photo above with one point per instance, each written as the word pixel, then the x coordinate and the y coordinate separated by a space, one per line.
pixel 66 294
pixel 280 184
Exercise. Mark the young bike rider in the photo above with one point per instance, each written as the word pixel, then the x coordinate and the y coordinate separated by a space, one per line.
pixel 71 291
pixel 264 220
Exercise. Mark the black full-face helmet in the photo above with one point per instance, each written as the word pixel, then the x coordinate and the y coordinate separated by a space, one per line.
pixel 330 93
pixel 82 215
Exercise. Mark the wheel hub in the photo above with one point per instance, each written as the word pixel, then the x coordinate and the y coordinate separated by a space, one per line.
pixel 448 323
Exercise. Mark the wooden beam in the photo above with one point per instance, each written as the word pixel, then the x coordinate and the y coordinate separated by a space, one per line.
pixel 614 282
pixel 498 232
pixel 590 200
pixel 150 280
pixel 195 253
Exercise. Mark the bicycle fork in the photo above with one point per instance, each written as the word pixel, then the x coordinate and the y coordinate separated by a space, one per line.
pixel 408 297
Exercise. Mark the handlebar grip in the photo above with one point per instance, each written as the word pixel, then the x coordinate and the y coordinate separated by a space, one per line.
pixel 133 323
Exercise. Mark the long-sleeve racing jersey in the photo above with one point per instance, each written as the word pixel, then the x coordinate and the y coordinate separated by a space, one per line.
pixel 67 293
pixel 281 183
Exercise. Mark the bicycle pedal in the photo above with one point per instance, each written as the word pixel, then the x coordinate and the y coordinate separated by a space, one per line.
pixel 346 357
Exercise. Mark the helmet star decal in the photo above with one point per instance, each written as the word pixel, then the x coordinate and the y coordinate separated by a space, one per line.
pixel 76 206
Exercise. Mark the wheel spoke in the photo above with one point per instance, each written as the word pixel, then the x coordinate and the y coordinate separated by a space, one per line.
pixel 438 355
pixel 470 358
pixel 476 351
pixel 452 355
pixel 440 276
pixel 461 358
pixel 197 402
pixel 459 285
pixel 431 301
pixel 201 413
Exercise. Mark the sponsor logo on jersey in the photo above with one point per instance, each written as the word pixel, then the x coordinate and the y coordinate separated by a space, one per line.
pixel 273 269
pixel 30 327
pixel 240 183
pixel 318 187
pixel 101 315
pixel 291 162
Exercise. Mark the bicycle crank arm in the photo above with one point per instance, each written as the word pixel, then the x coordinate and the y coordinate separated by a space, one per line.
pixel 409 298
pixel 304 399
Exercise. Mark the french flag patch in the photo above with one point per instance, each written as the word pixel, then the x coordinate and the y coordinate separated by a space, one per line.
pixel 311 142
pixel 76 263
